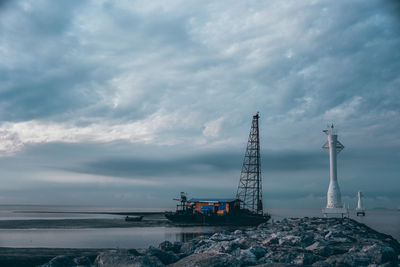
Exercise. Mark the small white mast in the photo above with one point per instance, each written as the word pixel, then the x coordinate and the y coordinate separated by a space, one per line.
pixel 360 211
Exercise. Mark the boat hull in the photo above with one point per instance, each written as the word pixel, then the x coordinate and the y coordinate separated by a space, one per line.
pixel 234 220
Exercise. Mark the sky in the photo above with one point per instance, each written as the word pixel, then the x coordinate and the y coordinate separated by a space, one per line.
pixel 128 103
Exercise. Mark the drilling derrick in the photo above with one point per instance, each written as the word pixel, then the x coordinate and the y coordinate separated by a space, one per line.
pixel 250 187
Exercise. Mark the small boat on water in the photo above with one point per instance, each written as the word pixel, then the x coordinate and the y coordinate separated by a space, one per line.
pixel 245 209
pixel 133 219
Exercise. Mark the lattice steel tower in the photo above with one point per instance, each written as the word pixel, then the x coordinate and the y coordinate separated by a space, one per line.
pixel 250 188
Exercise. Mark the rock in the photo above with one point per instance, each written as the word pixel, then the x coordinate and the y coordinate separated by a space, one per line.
pixel 306 259
pixel 208 260
pixel 83 261
pixel 166 257
pixel 176 248
pixel 258 251
pixel 322 249
pixel 289 240
pixel 283 256
pixel 246 242
pixel 122 258
pixel 381 254
pixel 271 241
pixel 246 257
pixel 188 248
pixel 347 260
pixel 222 237
pixel 60 261
pixel 306 240
pixel 238 232
pixel 134 252
pixel 263 225
pixel 211 246
pixel 166 245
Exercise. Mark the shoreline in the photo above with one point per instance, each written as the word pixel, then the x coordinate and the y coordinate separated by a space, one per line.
pixel 36 256
pixel 305 241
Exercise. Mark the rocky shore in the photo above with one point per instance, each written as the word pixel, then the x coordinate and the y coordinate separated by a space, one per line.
pixel 290 242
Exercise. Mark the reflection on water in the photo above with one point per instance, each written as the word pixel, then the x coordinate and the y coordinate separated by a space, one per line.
pixel 188 234
pixel 100 238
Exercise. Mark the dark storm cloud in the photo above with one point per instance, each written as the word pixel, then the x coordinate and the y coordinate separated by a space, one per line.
pixel 203 164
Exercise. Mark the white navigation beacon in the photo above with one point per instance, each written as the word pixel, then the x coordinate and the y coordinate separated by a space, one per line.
pixel 334 204
pixel 360 211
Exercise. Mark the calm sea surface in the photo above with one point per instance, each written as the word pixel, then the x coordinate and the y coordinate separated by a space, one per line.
pixel 386 221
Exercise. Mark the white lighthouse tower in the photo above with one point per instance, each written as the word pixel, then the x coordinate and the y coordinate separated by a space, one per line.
pixel 334 200
pixel 360 211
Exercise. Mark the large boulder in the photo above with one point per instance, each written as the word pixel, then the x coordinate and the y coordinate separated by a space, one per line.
pixel 381 254
pixel 208 260
pixel 166 257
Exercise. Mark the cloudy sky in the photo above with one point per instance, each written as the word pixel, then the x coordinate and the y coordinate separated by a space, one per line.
pixel 127 103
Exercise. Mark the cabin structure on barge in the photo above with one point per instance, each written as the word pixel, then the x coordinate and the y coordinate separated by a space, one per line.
pixel 212 206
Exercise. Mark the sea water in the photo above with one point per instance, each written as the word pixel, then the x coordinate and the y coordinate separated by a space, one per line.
pixel 386 221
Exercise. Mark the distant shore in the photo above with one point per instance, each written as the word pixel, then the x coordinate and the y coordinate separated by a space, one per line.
pixel 79 223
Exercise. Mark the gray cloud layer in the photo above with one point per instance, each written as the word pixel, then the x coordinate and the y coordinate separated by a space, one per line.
pixel 96 91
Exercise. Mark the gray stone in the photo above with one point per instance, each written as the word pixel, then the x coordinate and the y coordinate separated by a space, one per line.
pixel 60 261
pixel 316 246
pixel 212 246
pixel 381 254
pixel 247 257
pixel 134 252
pixel 82 261
pixel 122 258
pixel 258 251
pixel 283 256
pixel 166 257
pixel 289 240
pixel 166 245
pixel 238 232
pixel 208 260
pixel 271 241
pixel 222 237
pixel 306 259
pixel 177 246
pixel 188 248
